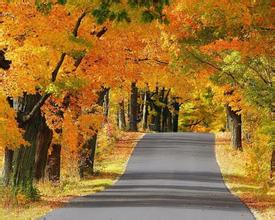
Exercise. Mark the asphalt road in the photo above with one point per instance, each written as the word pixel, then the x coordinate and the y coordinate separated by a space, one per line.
pixel 170 176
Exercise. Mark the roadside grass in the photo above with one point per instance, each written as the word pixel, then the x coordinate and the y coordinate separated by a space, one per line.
pixel 110 164
pixel 257 195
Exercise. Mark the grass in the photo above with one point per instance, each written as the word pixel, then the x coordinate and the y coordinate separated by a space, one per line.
pixel 259 197
pixel 110 164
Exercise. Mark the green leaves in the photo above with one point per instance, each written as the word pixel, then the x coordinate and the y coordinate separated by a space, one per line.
pixel 233 58
pixel 62 2
pixel 103 13
pixel 151 10
pixel 43 7
pixel 80 41
pixel 147 16
pixel 76 54
pixel 52 89
pixel 122 16
pixel 68 84
pixel 148 3
pixel 233 65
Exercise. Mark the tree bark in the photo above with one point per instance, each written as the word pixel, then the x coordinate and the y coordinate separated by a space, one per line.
pixel 164 122
pixel 236 128
pixel 54 163
pixel 145 110
pixel 43 142
pixel 175 116
pixel 88 157
pixel 133 107
pixel 156 117
pixel 121 116
pixel 106 101
pixel 228 126
pixel 7 170
pixel 24 157
pixel 93 144
pixel 169 122
pixel 165 112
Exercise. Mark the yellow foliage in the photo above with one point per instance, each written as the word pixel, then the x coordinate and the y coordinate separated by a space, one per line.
pixel 10 134
pixel 89 124
pixel 70 138
pixel 246 173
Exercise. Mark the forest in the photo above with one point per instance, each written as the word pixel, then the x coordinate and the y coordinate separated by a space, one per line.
pixel 76 72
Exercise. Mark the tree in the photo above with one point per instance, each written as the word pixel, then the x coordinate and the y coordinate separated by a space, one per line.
pixel 227 38
pixel 58 35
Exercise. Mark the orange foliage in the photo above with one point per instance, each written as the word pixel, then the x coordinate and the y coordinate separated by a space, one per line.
pixel 10 134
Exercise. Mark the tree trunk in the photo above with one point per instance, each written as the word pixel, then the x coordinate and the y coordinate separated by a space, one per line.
pixel 228 126
pixel 145 111
pixel 106 101
pixel 43 142
pixel 93 144
pixel 175 116
pixel 236 128
pixel 133 107
pixel 87 153
pixel 156 117
pixel 7 170
pixel 237 132
pixel 86 163
pixel 54 163
pixel 165 112
pixel 164 124
pixel 160 110
pixel 169 122
pixel 24 157
pixel 121 116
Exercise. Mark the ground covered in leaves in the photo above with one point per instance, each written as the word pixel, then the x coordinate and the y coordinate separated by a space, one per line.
pixel 111 161
pixel 258 194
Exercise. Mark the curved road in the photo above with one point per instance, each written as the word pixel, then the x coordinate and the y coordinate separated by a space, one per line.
pixel 170 176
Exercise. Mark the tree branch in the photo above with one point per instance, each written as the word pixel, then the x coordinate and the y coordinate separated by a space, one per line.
pixel 37 106
pixel 215 67
pixel 194 123
pixel 259 74
pixel 58 66
pixel 167 94
pixel 44 97
pixel 78 23
pixel 147 59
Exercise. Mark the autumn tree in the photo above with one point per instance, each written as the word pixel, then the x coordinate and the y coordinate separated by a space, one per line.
pixel 50 52
pixel 227 38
